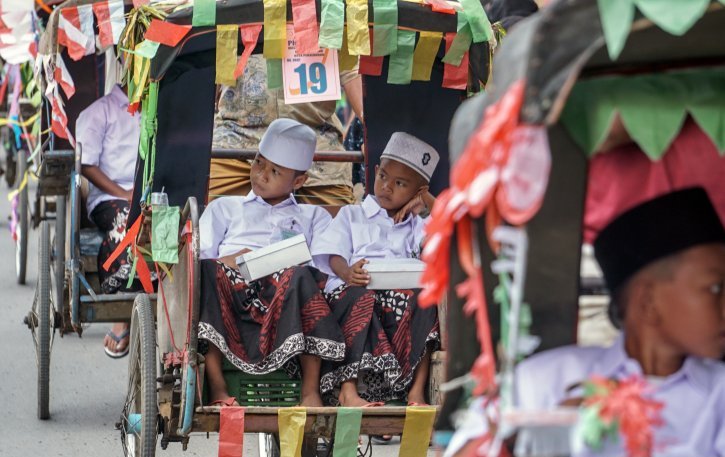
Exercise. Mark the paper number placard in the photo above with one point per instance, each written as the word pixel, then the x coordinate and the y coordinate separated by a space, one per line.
pixel 310 77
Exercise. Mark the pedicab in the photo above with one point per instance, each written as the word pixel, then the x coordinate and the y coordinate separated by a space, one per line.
pixel 166 370
pixel 525 159
pixel 67 295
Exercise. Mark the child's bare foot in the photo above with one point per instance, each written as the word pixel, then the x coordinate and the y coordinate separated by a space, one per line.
pixel 352 400
pixel 312 401
pixel 416 399
pixel 221 398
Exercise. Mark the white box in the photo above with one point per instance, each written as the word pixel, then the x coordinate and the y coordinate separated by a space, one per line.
pixel 394 273
pixel 277 256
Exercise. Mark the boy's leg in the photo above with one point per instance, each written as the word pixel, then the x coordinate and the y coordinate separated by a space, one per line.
pixel 311 380
pixel 420 381
pixel 215 376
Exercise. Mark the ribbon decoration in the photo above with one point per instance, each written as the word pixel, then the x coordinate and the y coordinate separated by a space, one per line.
pixel 476 17
pixel 250 36
pixel 72 31
pixel 620 406
pixel 455 76
pixel 358 32
pixel 291 422
pixel 503 172
pixel 460 44
pixel 425 53
pixel 385 27
pixel 417 430
pixel 347 431
pixel 440 6
pixel 307 32
pixel 231 431
pixel 332 22
pixel 275 29
pixel 128 240
pixel 226 54
pixel 204 13
pixel 400 66
pixel 166 33
pixel 274 74
pixel 63 76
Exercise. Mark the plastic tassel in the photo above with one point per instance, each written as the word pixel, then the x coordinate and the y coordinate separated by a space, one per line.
pixel 417 430
pixel 307 31
pixel 400 68
pixel 358 31
pixel 291 422
pixel 204 13
pixel 332 22
pixel 347 430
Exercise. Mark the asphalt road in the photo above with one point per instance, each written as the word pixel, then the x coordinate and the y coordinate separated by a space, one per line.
pixel 87 388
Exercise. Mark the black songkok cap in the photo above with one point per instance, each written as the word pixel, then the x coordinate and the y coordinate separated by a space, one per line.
pixel 656 229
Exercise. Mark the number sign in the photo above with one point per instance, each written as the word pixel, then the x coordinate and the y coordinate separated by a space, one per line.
pixel 310 77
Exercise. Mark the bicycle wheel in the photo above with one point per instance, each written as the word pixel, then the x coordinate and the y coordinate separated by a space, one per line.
pixel 21 244
pixel 139 419
pixel 44 317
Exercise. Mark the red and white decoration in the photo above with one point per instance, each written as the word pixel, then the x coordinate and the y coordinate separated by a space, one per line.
pixel 111 22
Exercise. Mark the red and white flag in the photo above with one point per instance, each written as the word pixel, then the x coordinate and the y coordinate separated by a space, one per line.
pixel 59 120
pixel 111 21
pixel 75 31
pixel 63 77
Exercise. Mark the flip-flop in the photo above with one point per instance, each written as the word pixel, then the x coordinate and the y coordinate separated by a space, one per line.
pixel 229 401
pixel 117 338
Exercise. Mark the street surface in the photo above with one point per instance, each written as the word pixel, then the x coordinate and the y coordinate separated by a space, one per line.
pixel 87 388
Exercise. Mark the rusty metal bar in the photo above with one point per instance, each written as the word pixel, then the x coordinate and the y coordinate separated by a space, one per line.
pixel 320 156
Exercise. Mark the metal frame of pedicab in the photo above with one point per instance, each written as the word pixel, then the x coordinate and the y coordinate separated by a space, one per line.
pixel 573 31
pixel 168 404
pixel 65 298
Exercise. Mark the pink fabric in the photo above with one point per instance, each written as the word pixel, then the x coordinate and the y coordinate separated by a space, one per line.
pixel 625 177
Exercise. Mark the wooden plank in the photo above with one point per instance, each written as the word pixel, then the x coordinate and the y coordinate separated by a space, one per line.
pixel 385 420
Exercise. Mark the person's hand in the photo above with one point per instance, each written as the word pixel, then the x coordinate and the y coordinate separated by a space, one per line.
pixel 231 260
pixel 414 206
pixel 356 275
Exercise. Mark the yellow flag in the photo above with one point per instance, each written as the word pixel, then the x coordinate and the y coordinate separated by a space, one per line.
pixel 291 422
pixel 358 31
pixel 345 60
pixel 226 54
pixel 425 53
pixel 275 29
pixel 417 430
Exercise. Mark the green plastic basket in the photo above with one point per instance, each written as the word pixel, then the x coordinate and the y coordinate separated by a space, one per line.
pixel 273 389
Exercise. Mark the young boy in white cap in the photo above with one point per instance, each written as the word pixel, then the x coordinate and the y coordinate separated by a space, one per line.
pixel 388 338
pixel 265 325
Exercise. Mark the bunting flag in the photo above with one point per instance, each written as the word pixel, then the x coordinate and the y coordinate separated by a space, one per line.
pixel 346 61
pixel 274 74
pixel 226 54
pixel 250 36
pixel 166 33
pixel 111 21
pixel 63 77
pixel 231 431
pixel 478 21
pixel 275 29
pixel 291 422
pixel 417 430
pixel 455 76
pixel 307 32
pixel 400 67
pixel 460 44
pixel 75 31
pixel 371 65
pixel 332 22
pixel 204 13
pixel 425 53
pixel 385 27
pixel 358 31
pixel 58 118
pixel 440 6
pixel 347 431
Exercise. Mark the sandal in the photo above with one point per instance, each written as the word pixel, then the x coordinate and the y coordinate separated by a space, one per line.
pixel 229 401
pixel 117 339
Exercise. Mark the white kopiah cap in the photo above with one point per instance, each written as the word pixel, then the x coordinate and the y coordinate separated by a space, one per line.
pixel 410 151
pixel 289 144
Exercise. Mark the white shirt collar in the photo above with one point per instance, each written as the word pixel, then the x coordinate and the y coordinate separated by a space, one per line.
pixel 251 196
pixel 371 208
